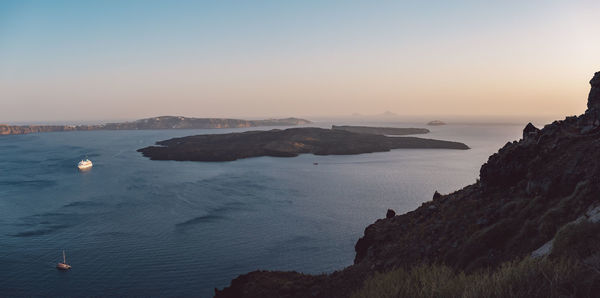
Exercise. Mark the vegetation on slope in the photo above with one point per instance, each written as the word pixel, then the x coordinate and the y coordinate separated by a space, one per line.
pixel 571 270
pixel 526 278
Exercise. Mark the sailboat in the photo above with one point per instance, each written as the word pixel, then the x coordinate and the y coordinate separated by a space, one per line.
pixel 63 265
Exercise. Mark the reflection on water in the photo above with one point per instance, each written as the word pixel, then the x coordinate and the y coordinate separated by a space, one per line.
pixel 132 226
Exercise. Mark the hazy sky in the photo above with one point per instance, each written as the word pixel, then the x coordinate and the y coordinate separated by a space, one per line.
pixel 99 60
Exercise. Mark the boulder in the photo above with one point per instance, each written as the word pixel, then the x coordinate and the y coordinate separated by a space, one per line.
pixel 390 213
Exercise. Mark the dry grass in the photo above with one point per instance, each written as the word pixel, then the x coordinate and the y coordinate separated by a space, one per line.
pixel 526 278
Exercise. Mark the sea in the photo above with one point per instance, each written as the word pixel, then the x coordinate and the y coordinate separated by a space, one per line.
pixel 132 226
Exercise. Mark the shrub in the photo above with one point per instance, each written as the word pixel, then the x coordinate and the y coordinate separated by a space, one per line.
pixel 577 241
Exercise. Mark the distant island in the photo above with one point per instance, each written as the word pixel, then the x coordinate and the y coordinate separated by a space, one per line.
pixel 436 122
pixel 392 131
pixel 284 143
pixel 388 114
pixel 162 122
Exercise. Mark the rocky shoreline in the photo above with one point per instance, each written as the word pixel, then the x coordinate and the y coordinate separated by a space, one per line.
pixel 528 192
pixel 284 143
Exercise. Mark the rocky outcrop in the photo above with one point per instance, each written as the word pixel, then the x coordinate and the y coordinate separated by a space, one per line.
pixel 392 131
pixel 162 122
pixel 284 143
pixel 594 96
pixel 530 130
pixel 526 193
pixel 390 213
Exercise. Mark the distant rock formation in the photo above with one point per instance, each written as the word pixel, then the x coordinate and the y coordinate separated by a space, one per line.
pixel 162 122
pixel 436 122
pixel 392 131
pixel 388 114
pixel 284 143
pixel 527 191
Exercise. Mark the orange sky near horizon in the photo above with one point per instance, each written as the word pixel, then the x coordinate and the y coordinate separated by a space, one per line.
pixel 507 59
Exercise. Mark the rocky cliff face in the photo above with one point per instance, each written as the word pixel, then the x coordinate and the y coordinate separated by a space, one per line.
pixel 162 122
pixel 526 192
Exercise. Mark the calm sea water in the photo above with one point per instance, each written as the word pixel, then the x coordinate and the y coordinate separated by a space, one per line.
pixel 136 227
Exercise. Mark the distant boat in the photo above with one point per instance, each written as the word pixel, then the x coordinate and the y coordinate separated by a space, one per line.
pixel 315 163
pixel 63 265
pixel 85 164
pixel 436 123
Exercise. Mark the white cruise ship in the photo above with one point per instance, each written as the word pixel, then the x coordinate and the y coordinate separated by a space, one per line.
pixel 85 164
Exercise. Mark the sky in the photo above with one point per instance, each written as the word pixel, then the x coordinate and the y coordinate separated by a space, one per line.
pixel 105 60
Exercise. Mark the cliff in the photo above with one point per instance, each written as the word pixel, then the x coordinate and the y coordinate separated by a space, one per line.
pixel 162 122
pixel 284 143
pixel 529 192
pixel 177 122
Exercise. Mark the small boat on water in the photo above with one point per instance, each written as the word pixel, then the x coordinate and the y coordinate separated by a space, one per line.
pixel 63 265
pixel 315 163
pixel 85 164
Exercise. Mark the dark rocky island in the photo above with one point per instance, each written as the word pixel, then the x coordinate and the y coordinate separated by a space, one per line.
pixel 392 131
pixel 284 143
pixel 162 122
pixel 530 227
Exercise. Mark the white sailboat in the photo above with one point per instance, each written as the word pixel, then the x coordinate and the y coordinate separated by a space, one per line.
pixel 63 265
pixel 85 164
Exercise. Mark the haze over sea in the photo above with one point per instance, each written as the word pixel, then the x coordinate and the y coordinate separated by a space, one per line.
pixel 136 227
